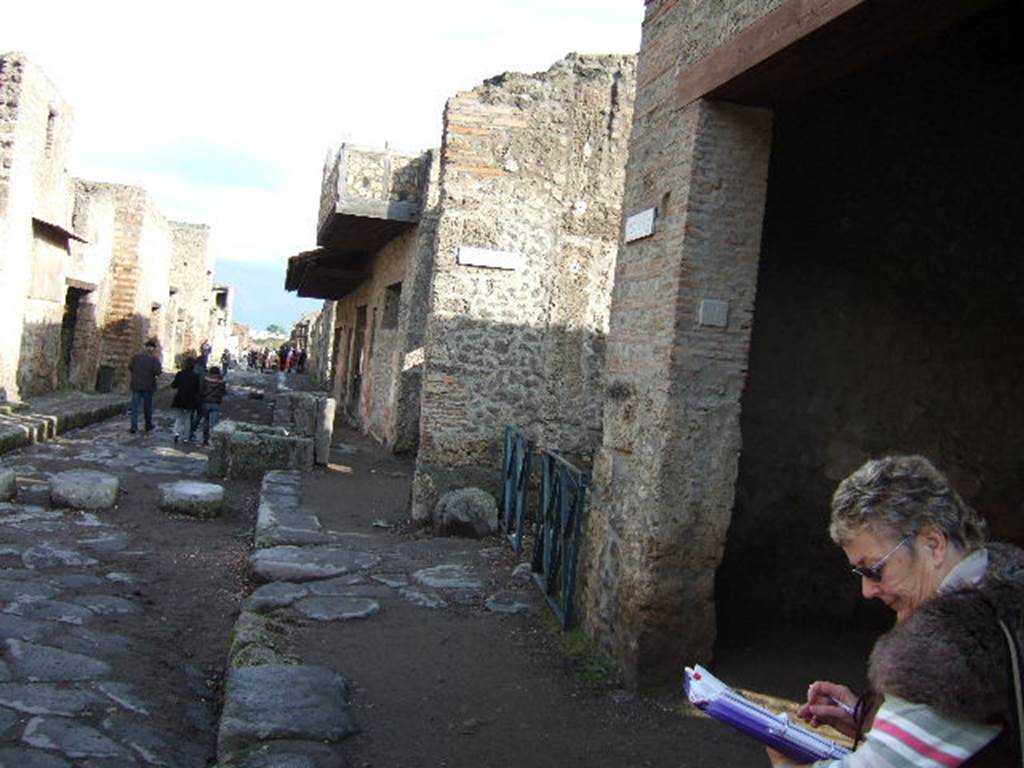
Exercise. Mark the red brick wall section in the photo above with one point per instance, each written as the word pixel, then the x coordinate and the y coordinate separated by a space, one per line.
pixel 665 475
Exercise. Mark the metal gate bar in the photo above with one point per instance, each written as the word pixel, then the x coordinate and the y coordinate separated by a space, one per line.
pixel 516 486
pixel 557 532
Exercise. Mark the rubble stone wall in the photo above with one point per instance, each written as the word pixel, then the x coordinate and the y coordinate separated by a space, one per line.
pixel 531 189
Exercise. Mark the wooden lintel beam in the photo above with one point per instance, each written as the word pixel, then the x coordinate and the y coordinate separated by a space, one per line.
pixel 766 37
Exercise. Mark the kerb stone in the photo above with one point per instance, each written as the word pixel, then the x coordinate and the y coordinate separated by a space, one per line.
pixel 280 701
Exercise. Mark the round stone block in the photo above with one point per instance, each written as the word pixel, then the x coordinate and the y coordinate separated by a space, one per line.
pixel 7 484
pixel 190 497
pixel 83 489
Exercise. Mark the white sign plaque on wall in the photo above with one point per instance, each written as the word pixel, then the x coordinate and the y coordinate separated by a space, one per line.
pixel 640 225
pixel 483 257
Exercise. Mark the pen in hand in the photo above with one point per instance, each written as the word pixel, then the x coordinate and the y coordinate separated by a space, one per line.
pixel 845 707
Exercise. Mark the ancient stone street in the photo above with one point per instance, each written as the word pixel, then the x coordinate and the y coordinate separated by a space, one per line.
pixel 145 635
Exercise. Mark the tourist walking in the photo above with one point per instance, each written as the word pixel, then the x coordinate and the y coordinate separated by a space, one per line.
pixel 186 400
pixel 144 368
pixel 212 394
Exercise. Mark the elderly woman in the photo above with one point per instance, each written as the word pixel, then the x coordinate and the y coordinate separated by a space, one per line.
pixel 945 686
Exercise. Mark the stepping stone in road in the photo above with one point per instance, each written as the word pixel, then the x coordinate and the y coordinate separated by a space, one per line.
pixel 83 489
pixel 8 486
pixel 191 497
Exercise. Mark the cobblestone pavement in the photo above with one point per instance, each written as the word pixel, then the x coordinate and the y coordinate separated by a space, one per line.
pixel 114 622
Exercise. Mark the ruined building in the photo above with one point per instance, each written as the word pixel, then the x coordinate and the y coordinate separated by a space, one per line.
pixel 89 270
pixel 469 288
pixel 855 167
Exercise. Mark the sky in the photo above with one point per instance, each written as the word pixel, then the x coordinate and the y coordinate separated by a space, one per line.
pixel 225 111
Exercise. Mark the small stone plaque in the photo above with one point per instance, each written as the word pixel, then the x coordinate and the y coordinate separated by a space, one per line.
pixel 483 257
pixel 713 313
pixel 640 225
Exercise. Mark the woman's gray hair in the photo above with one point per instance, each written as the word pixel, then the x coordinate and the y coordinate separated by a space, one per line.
pixel 899 496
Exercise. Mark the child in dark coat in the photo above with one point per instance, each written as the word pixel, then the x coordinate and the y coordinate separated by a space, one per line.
pixel 213 391
pixel 186 399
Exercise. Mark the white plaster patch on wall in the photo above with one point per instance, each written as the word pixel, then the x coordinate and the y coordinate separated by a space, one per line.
pixel 483 257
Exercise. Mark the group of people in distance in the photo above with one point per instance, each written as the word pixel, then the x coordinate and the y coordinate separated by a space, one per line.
pixel 286 359
pixel 946 684
pixel 198 393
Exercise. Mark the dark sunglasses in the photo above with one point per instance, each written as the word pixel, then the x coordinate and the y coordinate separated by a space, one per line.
pixel 874 572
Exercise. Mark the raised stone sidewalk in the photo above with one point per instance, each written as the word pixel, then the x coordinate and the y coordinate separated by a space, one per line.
pixel 43 418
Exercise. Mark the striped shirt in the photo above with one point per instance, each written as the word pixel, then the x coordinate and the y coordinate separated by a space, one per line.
pixel 905 735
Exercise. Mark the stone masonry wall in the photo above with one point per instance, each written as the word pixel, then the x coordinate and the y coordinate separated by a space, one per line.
pixel 531 185
pixel 192 275
pixel 35 126
pixel 664 478
pixel 91 265
pixel 321 347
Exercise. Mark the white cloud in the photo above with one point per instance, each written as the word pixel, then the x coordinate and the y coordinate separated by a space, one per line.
pixel 281 83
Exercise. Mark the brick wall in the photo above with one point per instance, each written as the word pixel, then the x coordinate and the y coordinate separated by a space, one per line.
pixel 664 477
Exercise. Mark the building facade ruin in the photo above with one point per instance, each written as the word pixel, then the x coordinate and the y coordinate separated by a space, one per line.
pixel 90 270
pixel 472 283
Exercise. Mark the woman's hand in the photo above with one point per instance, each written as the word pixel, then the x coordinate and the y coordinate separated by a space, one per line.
pixel 779 760
pixel 822 707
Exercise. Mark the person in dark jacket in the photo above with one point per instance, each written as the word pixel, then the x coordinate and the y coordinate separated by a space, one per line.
pixel 186 399
pixel 144 368
pixel 213 391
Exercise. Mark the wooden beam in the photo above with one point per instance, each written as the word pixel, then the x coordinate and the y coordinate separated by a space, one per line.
pixel 764 38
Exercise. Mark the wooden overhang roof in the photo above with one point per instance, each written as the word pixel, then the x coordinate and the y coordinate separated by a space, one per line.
pixel 348 238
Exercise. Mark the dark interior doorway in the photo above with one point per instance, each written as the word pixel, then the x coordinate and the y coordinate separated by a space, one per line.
pixel 358 363
pixel 889 314
pixel 68 328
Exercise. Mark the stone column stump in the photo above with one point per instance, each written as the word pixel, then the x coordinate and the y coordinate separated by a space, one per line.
pixel 193 498
pixel 84 489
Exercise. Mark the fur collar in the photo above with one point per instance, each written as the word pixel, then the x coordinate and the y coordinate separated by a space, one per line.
pixel 951 653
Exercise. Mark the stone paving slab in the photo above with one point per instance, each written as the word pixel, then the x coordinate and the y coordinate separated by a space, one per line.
pixel 290 563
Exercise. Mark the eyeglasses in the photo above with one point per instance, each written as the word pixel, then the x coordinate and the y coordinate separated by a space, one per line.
pixel 874 572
